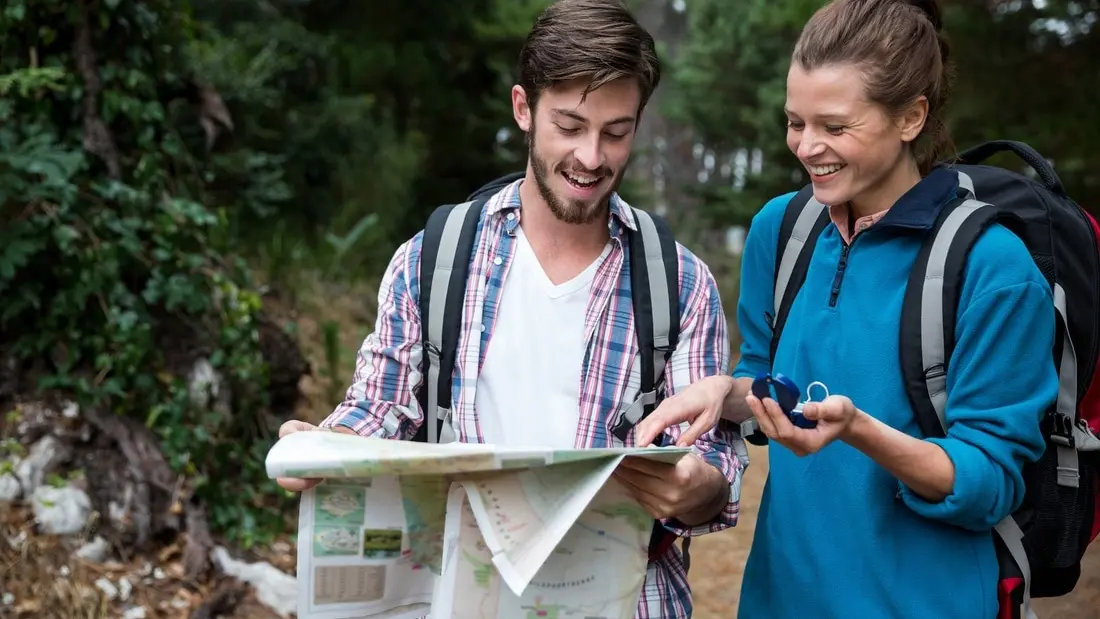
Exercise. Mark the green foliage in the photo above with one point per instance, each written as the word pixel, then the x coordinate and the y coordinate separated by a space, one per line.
pixel 105 280
pixel 729 84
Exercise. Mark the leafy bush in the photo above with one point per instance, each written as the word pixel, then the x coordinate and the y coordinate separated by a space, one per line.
pixel 115 275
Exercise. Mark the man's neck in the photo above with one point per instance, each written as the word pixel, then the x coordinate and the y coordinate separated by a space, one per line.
pixel 563 249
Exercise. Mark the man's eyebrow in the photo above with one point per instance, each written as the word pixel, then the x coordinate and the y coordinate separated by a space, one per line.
pixel 577 117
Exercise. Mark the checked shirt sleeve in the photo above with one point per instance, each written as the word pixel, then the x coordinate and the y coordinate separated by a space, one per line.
pixel 380 401
pixel 703 351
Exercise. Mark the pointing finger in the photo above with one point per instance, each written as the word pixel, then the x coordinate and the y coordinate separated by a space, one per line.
pixel 671 412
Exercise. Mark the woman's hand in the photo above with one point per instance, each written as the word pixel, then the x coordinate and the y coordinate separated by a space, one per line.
pixel 835 417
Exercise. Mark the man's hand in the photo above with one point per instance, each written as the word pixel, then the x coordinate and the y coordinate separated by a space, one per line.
pixel 700 404
pixel 294 484
pixel 691 490
pixel 834 417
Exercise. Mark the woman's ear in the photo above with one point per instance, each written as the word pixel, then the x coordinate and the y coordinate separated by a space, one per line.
pixel 913 118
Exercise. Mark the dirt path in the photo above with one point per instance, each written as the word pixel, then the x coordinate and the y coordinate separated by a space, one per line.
pixel 725 553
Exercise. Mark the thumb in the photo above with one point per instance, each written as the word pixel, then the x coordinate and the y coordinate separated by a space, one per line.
pixel 294 425
pixel 297 485
pixel 828 409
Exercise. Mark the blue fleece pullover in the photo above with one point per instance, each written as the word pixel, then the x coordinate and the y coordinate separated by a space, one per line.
pixel 838 536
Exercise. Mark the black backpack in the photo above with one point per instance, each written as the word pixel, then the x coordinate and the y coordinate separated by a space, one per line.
pixel 1039 546
pixel 448 247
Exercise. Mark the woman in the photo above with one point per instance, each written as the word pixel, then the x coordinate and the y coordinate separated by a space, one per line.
pixel 859 518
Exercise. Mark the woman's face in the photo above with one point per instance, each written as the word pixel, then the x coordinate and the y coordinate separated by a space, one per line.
pixel 852 148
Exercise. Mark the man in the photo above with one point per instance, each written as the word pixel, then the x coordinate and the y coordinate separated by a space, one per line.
pixel 546 353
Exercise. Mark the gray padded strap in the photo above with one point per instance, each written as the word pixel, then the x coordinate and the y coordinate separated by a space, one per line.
pixel 1013 538
pixel 433 323
pixel 1068 471
pixel 658 287
pixel 799 234
pixel 931 321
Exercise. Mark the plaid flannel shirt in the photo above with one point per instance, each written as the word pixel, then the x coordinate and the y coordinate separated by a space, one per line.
pixel 387 368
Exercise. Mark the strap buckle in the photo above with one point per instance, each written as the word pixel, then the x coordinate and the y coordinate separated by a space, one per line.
pixel 1061 430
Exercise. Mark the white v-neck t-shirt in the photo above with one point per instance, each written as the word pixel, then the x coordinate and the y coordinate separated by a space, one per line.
pixel 528 392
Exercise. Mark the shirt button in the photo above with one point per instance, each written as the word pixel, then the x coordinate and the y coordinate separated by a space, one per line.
pixel 498 261
pixel 481 327
pixel 511 216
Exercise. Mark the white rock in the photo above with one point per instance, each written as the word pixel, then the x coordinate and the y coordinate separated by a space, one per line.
pixel 8 599
pixel 70 410
pixel 44 455
pixel 203 383
pixel 61 511
pixel 159 574
pixel 64 571
pixel 274 588
pixel 107 587
pixel 10 488
pixel 18 541
pixel 94 551
pixel 137 612
pixel 119 513
pixel 125 589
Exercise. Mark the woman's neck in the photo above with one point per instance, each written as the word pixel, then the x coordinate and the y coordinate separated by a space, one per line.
pixel 876 199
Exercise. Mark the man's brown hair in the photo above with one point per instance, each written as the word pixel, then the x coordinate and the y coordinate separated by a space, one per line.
pixel 899 46
pixel 596 40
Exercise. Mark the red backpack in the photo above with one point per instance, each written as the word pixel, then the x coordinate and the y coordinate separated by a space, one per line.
pixel 1039 546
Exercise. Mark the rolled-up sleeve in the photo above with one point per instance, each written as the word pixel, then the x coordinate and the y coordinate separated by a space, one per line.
pixel 380 401
pixel 704 350
pixel 1001 382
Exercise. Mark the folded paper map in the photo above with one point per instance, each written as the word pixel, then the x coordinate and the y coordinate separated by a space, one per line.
pixel 402 530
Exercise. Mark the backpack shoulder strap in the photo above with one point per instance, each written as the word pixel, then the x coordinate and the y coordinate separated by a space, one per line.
pixel 802 224
pixel 928 316
pixel 448 244
pixel 929 308
pixel 655 295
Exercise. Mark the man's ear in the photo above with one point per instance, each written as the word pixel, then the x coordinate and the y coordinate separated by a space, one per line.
pixel 521 111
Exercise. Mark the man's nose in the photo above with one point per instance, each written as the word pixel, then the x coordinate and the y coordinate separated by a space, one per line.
pixel 589 155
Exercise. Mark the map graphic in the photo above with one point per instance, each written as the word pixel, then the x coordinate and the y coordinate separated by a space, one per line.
pixel 595 571
pixel 425 501
pixel 465 530
pixel 340 505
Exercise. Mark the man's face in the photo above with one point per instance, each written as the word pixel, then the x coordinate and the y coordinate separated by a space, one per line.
pixel 579 151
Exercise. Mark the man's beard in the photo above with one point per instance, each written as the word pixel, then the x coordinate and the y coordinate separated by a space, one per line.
pixel 568 211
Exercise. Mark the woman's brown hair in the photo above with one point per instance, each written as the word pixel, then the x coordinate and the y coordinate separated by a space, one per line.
pixel 900 46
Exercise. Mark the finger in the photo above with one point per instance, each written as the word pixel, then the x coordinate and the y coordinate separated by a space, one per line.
pixel 294 425
pixel 670 412
pixel 783 426
pixel 295 484
pixel 761 415
pixel 654 509
pixel 643 493
pixel 703 423
pixel 648 467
